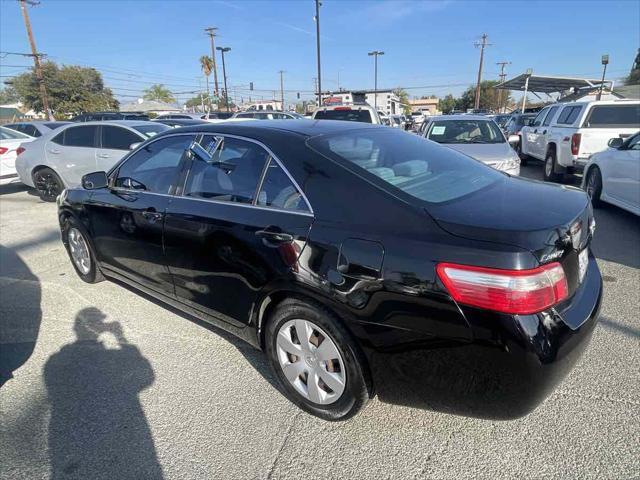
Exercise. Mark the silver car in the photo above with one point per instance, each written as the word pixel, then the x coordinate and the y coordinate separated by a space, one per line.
pixel 59 159
pixel 476 136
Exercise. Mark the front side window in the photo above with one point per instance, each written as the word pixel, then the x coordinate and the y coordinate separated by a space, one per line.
pixel 464 131
pixel 278 190
pixel 232 174
pixel 118 138
pixel 552 112
pixel 153 168
pixel 84 136
pixel 633 143
pixel 417 167
pixel 539 118
pixel 613 116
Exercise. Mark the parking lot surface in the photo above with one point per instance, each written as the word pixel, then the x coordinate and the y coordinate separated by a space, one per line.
pixel 161 395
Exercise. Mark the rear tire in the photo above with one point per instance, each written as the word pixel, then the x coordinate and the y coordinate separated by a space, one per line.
pixel 48 184
pixel 593 186
pixel 346 390
pixel 76 241
pixel 523 157
pixel 550 174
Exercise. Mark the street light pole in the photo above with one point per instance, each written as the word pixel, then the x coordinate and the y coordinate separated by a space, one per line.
pixel 375 54
pixel 211 31
pixel 605 61
pixel 224 74
pixel 281 72
pixel 318 51
pixel 526 87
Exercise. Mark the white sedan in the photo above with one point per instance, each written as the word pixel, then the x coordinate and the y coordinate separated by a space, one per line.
pixel 61 158
pixel 10 142
pixel 613 175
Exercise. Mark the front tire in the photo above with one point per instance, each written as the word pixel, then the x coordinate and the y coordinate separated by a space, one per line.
pixel 550 174
pixel 593 186
pixel 524 158
pixel 318 365
pixel 82 257
pixel 48 184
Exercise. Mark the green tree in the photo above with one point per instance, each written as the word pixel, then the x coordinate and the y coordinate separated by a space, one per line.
pixel 160 93
pixel 490 98
pixel 198 101
pixel 404 100
pixel 206 63
pixel 71 89
pixel 8 95
pixel 447 104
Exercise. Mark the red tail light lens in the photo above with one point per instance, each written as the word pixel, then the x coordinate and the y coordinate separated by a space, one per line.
pixel 3 150
pixel 519 292
pixel 575 143
pixel 19 150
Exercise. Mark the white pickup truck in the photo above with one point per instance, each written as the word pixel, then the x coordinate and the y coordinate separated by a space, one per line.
pixel 565 135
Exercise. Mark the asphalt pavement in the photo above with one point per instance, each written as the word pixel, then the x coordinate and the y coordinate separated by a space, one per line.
pixel 110 384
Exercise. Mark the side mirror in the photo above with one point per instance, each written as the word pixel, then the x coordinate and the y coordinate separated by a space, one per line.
pixel 615 142
pixel 135 145
pixel 94 181
pixel 514 140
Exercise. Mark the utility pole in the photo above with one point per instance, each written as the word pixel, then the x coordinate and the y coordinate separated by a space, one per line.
pixel 281 72
pixel 482 46
pixel 375 54
pixel 502 77
pixel 211 31
pixel 318 51
pixel 36 57
pixel 224 74
pixel 605 62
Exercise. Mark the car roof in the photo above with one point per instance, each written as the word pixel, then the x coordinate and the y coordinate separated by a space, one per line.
pixel 260 129
pixel 352 106
pixel 123 123
pixel 461 117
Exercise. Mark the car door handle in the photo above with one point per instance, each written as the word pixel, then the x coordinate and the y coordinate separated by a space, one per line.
pixel 151 215
pixel 103 155
pixel 275 237
pixel 544 132
pixel 535 131
pixel 54 151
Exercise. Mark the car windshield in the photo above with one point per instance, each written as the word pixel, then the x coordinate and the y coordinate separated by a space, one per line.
pixel 344 114
pixel 408 162
pixel 465 131
pixel 150 130
pixel 8 134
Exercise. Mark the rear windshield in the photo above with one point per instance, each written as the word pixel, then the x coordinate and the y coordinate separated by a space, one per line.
pixel 465 131
pixel 603 116
pixel 8 134
pixel 348 115
pixel 151 130
pixel 416 166
pixel 54 125
pixel 134 117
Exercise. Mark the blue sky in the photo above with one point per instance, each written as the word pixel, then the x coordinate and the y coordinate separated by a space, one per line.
pixel 427 44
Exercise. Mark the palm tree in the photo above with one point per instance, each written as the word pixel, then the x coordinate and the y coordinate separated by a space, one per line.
pixel 206 62
pixel 160 93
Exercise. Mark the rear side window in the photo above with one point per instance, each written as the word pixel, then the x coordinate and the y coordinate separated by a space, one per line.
pixel 80 136
pixel 117 138
pixel 278 190
pixel 569 115
pixel 347 115
pixel 154 168
pixel 610 116
pixel 233 173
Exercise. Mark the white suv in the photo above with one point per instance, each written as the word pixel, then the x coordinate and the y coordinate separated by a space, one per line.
pixel 358 112
pixel 565 135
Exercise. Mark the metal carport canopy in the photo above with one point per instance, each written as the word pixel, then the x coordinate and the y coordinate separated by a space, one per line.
pixel 542 84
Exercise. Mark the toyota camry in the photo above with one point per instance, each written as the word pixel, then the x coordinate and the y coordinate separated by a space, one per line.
pixel 362 260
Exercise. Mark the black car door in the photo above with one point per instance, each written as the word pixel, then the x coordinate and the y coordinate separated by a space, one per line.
pixel 238 223
pixel 127 218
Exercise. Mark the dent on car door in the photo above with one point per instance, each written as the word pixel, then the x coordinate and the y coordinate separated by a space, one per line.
pixel 115 143
pixel 224 243
pixel 127 218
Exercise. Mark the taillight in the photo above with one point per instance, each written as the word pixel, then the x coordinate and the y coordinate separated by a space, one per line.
pixel 519 292
pixel 19 150
pixel 575 143
pixel 3 150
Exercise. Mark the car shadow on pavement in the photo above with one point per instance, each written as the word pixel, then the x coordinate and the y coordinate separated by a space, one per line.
pixel 617 327
pixel 13 188
pixel 98 428
pixel 617 237
pixel 20 313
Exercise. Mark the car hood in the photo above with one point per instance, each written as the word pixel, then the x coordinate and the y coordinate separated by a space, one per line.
pixel 489 153
pixel 529 214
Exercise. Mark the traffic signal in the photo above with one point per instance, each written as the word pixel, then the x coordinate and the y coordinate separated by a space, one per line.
pixel 250 85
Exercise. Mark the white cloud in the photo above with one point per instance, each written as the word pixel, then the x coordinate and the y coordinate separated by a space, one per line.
pixel 395 9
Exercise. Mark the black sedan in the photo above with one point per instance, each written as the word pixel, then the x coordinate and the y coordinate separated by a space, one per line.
pixel 363 260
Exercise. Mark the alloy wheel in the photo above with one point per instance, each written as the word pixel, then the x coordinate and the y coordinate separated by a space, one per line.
pixel 79 251
pixel 47 185
pixel 591 185
pixel 311 361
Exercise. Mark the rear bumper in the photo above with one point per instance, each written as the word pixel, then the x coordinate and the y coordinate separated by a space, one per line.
pixel 508 368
